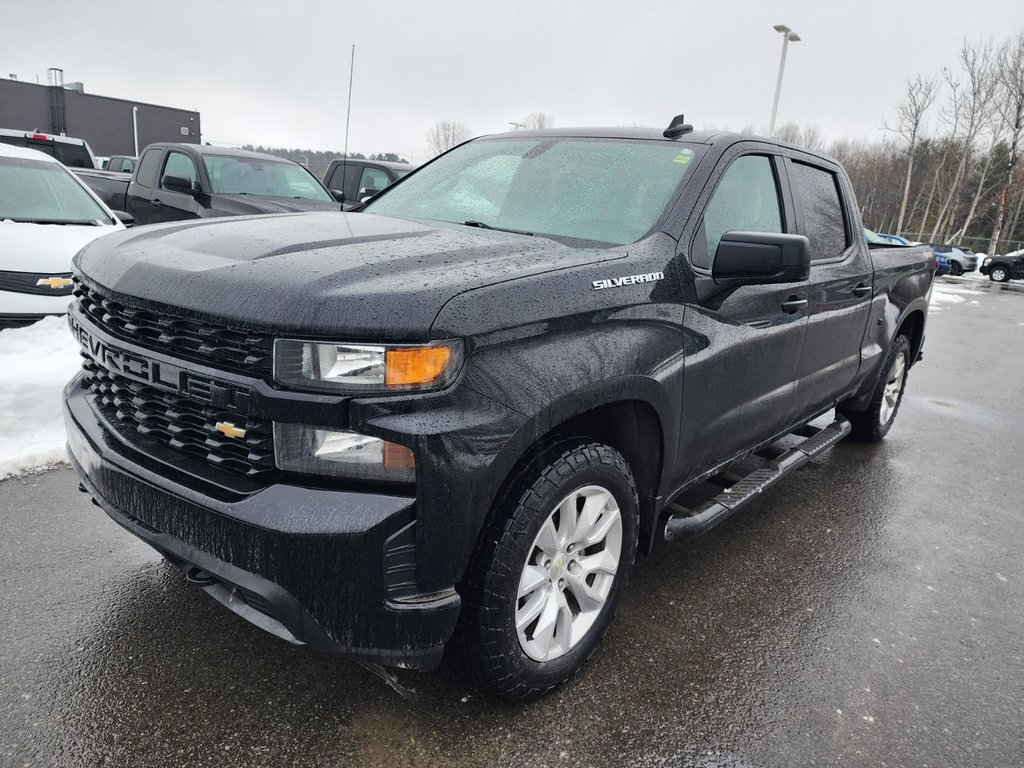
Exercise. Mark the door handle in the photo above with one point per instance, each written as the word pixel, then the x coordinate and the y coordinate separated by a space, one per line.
pixel 793 304
pixel 156 203
pixel 861 290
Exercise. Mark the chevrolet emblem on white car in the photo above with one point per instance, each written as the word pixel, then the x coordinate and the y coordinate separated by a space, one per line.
pixel 54 282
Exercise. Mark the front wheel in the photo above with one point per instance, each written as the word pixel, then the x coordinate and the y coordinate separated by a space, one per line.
pixel 873 424
pixel 552 569
pixel 999 275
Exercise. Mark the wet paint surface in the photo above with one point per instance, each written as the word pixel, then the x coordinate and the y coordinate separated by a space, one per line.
pixel 866 611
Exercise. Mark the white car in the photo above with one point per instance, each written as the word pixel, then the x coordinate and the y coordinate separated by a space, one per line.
pixel 46 216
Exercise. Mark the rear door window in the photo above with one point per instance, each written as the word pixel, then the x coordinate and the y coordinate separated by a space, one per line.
pixel 817 193
pixel 148 168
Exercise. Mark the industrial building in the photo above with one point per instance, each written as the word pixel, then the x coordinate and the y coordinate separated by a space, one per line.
pixel 111 126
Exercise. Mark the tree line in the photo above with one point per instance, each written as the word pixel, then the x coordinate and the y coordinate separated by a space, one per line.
pixel 316 161
pixel 948 169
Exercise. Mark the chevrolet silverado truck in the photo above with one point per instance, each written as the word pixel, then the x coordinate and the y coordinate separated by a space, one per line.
pixel 460 413
pixel 179 182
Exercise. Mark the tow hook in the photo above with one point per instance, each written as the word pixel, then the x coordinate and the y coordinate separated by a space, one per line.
pixel 196 576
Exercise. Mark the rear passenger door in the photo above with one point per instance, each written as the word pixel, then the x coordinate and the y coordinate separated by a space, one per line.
pixel 840 287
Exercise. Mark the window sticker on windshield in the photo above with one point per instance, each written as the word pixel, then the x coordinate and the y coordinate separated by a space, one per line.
pixel 683 157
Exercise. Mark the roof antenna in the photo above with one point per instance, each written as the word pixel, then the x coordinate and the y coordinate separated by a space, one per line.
pixel 677 128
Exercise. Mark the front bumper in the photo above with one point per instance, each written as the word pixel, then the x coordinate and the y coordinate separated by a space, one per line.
pixel 315 566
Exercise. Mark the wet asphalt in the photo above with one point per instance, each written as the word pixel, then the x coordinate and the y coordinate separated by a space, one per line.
pixel 868 611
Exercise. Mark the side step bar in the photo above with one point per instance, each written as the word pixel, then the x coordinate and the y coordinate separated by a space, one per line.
pixel 686 523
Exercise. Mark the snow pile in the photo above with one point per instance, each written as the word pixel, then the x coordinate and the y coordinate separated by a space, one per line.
pixel 35 364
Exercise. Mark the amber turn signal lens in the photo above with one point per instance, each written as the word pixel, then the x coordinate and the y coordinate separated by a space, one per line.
pixel 398 456
pixel 415 365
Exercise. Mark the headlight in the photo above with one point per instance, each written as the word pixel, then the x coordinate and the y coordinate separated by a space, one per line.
pixel 312 450
pixel 337 367
pixel 986 262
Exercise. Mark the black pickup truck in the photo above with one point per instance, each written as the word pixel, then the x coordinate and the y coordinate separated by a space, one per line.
pixel 178 182
pixel 472 404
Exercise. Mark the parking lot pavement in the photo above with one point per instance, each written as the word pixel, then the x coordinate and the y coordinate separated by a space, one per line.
pixel 867 611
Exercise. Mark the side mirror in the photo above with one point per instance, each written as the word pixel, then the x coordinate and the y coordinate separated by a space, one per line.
pixel 125 218
pixel 761 258
pixel 337 194
pixel 366 193
pixel 178 184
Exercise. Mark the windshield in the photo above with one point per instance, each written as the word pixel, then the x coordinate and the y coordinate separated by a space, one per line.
pixel 265 178
pixel 43 192
pixel 606 190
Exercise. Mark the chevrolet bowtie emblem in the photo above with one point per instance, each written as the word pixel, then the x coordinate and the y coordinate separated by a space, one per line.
pixel 228 429
pixel 54 282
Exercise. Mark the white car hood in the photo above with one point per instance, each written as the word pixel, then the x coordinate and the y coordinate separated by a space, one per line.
pixel 44 248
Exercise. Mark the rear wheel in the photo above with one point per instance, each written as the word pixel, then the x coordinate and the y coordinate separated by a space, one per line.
pixel 955 269
pixel 999 274
pixel 873 424
pixel 553 567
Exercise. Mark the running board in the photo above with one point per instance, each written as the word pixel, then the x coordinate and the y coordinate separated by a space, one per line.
pixel 686 522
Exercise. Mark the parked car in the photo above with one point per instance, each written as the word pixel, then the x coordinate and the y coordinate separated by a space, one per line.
pixel 960 260
pixel 355 181
pixel 120 164
pixel 175 182
pixel 46 216
pixel 101 162
pixel 480 398
pixel 895 239
pixel 71 152
pixel 1000 269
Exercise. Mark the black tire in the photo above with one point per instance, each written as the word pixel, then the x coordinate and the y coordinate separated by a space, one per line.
pixel 491 639
pixel 873 424
pixel 999 274
pixel 955 270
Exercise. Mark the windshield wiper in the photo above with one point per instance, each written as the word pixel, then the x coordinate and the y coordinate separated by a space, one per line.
pixel 61 222
pixel 483 225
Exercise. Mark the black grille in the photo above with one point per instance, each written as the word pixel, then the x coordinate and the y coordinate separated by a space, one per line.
pixel 234 348
pixel 183 424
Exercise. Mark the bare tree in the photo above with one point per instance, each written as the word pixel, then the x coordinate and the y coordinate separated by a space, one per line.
pixel 970 110
pixel 444 135
pixel 1010 103
pixel 538 121
pixel 918 97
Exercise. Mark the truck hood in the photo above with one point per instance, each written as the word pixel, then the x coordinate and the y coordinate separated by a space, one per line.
pixel 44 248
pixel 356 275
pixel 242 205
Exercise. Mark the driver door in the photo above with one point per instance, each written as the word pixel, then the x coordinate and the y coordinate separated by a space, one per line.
pixel 744 343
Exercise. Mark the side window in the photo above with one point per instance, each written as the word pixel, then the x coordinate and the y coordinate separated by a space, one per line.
pixel 148 166
pixel 341 176
pixel 127 165
pixel 746 200
pixel 374 178
pixel 817 193
pixel 181 166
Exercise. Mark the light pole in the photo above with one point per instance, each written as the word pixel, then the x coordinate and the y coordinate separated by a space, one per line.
pixel 135 128
pixel 788 36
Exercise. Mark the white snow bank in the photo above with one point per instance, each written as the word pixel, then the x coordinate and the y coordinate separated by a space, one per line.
pixel 35 364
pixel 949 298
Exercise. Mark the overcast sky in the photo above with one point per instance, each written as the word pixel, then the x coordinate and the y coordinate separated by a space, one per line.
pixel 276 73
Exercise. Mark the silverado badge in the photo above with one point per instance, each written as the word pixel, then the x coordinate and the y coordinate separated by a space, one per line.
pixel 617 282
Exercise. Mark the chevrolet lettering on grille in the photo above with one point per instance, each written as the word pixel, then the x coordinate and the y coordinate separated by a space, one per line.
pixel 159 374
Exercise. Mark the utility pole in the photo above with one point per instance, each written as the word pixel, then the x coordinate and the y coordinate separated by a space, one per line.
pixel 788 36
